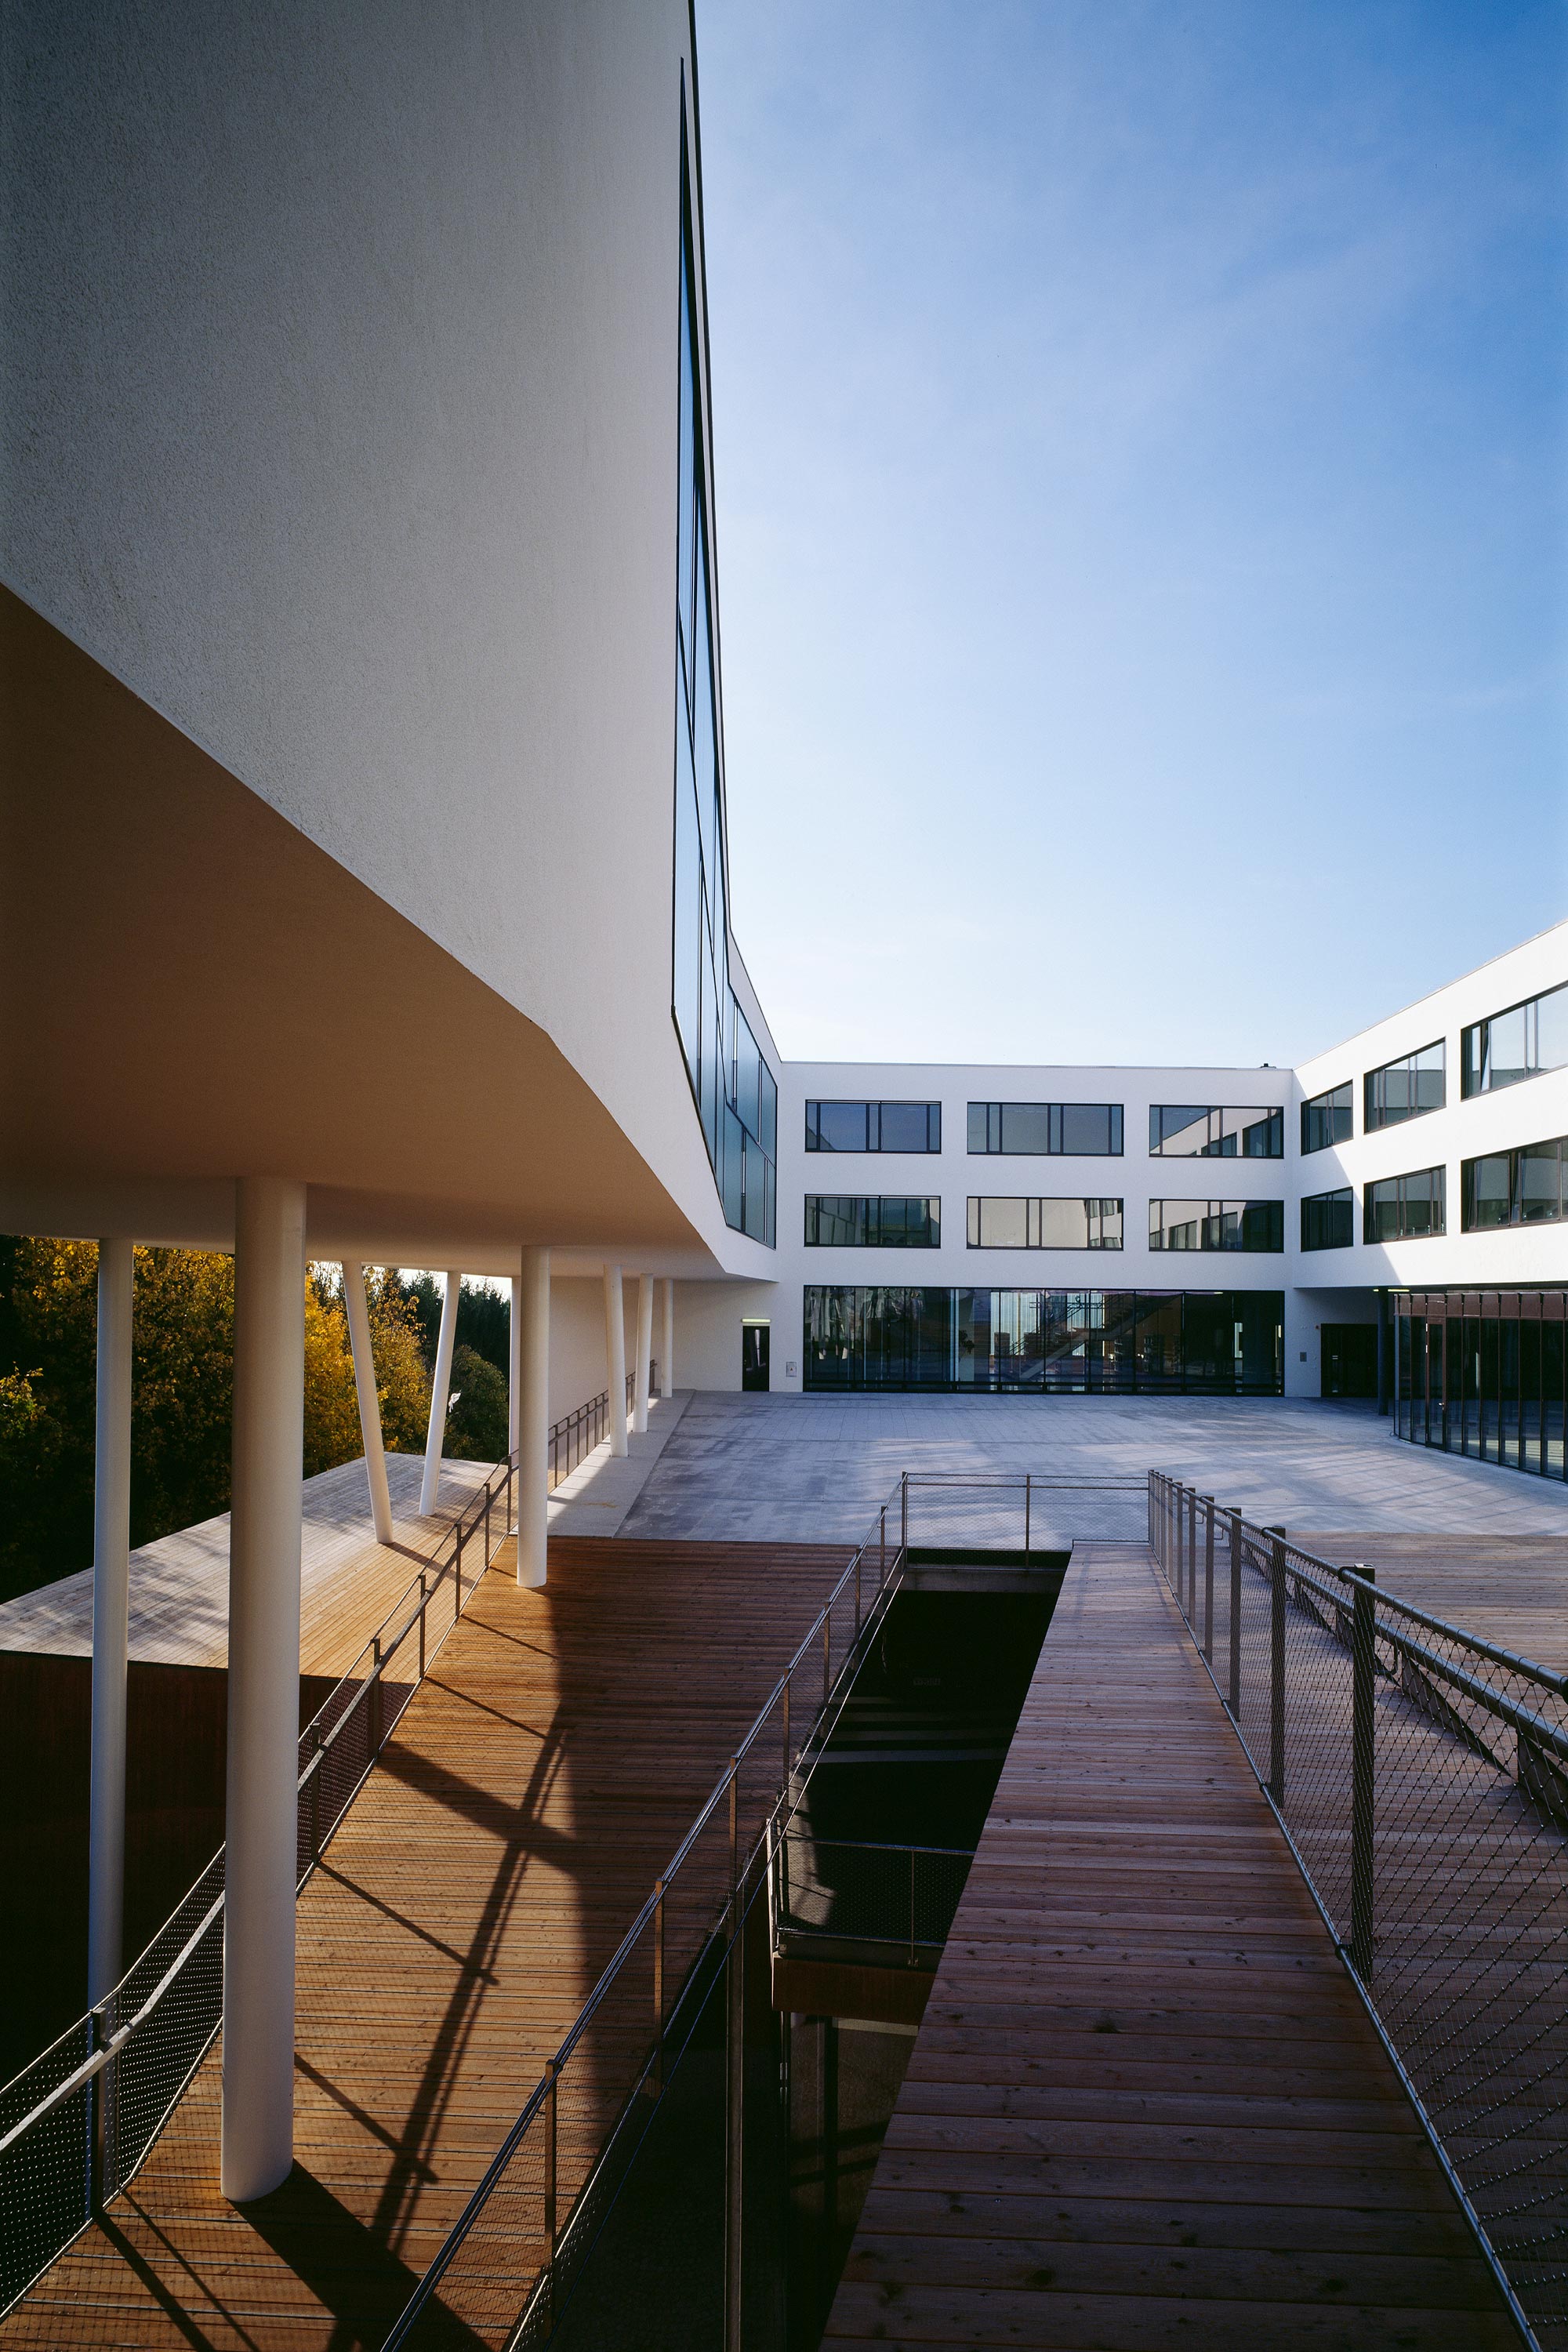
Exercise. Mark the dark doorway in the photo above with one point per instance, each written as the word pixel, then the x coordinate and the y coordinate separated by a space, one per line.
pixel 1349 1361
pixel 753 1355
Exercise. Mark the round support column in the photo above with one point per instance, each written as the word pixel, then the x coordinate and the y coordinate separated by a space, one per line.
pixel 263 1686
pixel 533 1292
pixel 110 1618
pixel 615 1355
pixel 645 1354
pixel 666 1340
pixel 358 1314
pixel 440 1391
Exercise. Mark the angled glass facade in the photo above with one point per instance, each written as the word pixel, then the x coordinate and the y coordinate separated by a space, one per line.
pixel 735 1091
pixel 1482 1373
pixel 1115 1342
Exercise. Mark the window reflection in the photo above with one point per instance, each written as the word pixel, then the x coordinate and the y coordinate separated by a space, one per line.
pixel 1007 1223
pixel 1404 1090
pixel 1483 1374
pixel 1224 1342
pixel 1216 1225
pixel 1205 1131
pixel 1328 1220
pixel 1524 1187
pixel 1088 1131
pixel 1516 1044
pixel 1327 1118
pixel 857 1221
pixel 873 1126
pixel 1405 1208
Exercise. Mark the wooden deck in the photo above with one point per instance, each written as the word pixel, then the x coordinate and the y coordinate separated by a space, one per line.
pixel 1513 1589
pixel 1146 2107
pixel 536 1785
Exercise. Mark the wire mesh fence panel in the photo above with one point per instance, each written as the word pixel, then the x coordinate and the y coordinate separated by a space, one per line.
pixel 46 2177
pixel 1423 1776
pixel 857 1893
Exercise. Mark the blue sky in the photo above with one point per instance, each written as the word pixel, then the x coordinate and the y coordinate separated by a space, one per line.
pixel 1139 452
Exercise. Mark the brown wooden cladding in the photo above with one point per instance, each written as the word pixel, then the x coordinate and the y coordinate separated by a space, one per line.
pixel 1146 2107
pixel 537 1784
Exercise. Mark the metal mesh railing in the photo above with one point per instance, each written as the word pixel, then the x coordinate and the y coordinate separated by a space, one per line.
pixel 1019 1512
pixel 512 2257
pixel 1421 1773
pixel 900 1898
pixel 77 2123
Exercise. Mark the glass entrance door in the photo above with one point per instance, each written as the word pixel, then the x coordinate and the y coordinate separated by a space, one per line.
pixel 753 1355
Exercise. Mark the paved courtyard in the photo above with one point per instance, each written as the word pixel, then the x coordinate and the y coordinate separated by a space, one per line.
pixel 783 1468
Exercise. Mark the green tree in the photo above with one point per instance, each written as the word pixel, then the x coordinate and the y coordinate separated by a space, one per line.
pixel 476 1426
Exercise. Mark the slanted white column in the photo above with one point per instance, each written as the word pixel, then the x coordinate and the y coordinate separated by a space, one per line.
pixel 514 1383
pixel 645 1354
pixel 532 1290
pixel 667 1342
pixel 615 1356
pixel 440 1389
pixel 110 1614
pixel 369 1403
pixel 263 1685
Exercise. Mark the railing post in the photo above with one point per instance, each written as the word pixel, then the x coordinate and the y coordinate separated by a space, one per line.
pixel 99 2154
pixel 903 1510
pixel 1234 1626
pixel 882 1547
pixel 734 2124
pixel 826 1653
pixel 734 1823
pixel 424 1605
pixel 789 1680
pixel 913 1907
pixel 1364 1745
pixel 658 1984
pixel 317 1768
pixel 859 1555
pixel 1277 1665
pixel 1208 1578
pixel 457 1564
pixel 487 1523
pixel 1028 1487
pixel 377 1697
pixel 1192 1553
pixel 1175 1581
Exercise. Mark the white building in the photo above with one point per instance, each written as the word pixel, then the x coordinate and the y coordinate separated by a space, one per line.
pixel 364 823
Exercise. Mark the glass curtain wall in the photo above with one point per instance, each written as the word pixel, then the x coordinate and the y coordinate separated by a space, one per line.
pixel 1482 1373
pixel 735 1090
pixel 1084 1341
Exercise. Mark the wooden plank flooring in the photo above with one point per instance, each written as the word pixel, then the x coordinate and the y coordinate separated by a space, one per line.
pixel 1146 2107
pixel 1513 1589
pixel 537 1784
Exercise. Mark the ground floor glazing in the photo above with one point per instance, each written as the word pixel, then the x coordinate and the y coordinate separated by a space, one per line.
pixel 1119 1342
pixel 1483 1373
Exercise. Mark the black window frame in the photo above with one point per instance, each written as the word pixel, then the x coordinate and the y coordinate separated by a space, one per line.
pixel 1514 1154
pixel 1210 1220
pixel 868 1212
pixel 1329 1104
pixel 1269 1115
pixel 1094 1206
pixel 1471 1084
pixel 873 1110
pixel 1401 1200
pixel 993 1127
pixel 1377 1122
pixel 1333 1226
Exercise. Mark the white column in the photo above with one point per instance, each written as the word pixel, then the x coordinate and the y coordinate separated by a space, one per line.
pixel 369 1403
pixel 440 1389
pixel 110 1613
pixel 615 1356
pixel 533 1417
pixel 667 1342
pixel 644 1353
pixel 514 1383
pixel 263 1685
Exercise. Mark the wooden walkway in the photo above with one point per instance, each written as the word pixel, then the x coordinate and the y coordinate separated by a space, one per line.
pixel 1513 1589
pixel 1146 2107
pixel 536 1785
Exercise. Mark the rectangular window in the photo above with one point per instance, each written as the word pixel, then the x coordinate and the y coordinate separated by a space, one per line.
pixel 873 1126
pixel 1327 1118
pixel 1068 1130
pixel 1404 1090
pixel 1328 1220
pixel 1514 1188
pixel 850 1220
pixel 1403 1208
pixel 1216 1224
pixel 1066 1224
pixel 1519 1043
pixel 1202 1131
